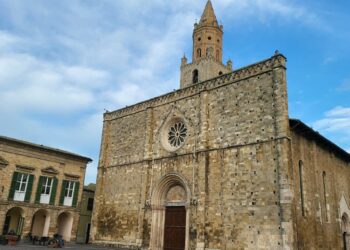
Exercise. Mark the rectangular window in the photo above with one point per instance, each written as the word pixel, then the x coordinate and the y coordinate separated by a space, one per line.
pixel 90 204
pixel 68 193
pixel 46 186
pixel 46 190
pixel 22 182
pixel 21 186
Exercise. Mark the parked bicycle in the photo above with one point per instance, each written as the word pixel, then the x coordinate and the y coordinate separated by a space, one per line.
pixel 56 242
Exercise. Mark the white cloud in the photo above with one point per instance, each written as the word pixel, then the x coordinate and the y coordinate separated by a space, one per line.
pixel 336 126
pixel 336 123
pixel 266 11
pixel 63 62
pixel 28 83
pixel 339 112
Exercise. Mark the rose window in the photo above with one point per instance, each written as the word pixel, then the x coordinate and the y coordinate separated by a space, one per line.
pixel 177 134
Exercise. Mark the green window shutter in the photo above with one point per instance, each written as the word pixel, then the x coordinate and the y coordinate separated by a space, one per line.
pixel 76 193
pixel 38 190
pixel 29 188
pixel 19 176
pixel 64 184
pixel 13 186
pixel 53 191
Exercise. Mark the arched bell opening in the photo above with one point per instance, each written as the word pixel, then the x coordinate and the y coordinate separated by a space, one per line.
pixel 64 225
pixel 170 213
pixel 195 76
pixel 40 223
pixel 14 221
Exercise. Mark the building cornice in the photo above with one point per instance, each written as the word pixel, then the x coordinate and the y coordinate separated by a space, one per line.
pixel 42 148
pixel 276 61
pixel 307 132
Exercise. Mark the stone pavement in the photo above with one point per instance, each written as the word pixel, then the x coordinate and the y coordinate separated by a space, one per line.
pixel 25 246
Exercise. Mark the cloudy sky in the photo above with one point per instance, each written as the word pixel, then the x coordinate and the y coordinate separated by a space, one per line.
pixel 62 63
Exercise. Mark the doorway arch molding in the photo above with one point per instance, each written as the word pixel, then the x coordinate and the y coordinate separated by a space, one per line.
pixel 158 206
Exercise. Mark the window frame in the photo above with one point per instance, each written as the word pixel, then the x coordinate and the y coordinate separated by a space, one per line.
pixel 20 183
pixel 46 186
pixel 69 189
pixel 90 204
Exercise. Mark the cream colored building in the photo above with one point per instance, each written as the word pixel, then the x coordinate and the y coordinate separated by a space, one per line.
pixel 40 189
pixel 219 164
pixel 86 207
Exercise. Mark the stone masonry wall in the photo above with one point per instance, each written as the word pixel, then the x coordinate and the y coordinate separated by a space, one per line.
pixel 208 68
pixel 320 228
pixel 235 161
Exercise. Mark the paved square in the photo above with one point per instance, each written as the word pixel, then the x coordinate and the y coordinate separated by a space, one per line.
pixel 22 246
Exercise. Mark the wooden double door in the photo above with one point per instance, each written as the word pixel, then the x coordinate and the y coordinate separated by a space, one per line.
pixel 175 228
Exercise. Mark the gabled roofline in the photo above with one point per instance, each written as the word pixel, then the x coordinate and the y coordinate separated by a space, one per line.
pixel 302 129
pixel 44 148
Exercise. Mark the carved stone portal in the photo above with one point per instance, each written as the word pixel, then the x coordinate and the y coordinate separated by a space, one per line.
pixel 171 190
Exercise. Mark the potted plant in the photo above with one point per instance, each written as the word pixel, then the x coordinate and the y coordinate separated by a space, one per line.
pixel 12 238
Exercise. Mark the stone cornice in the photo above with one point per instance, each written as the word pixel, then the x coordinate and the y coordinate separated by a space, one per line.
pixel 148 160
pixel 25 168
pixel 3 162
pixel 72 176
pixel 258 68
pixel 50 170
pixel 41 148
pixel 204 59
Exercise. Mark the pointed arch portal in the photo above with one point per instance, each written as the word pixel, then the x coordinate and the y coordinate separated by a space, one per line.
pixel 170 213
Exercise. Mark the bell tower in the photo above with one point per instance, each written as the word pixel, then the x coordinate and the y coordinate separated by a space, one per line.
pixel 207 36
pixel 207 51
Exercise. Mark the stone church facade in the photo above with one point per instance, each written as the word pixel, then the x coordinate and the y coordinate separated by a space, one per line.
pixel 218 164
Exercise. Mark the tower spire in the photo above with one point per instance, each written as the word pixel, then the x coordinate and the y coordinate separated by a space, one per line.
pixel 207 36
pixel 208 17
pixel 207 50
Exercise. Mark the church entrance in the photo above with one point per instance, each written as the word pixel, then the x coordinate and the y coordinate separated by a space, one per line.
pixel 175 228
pixel 170 214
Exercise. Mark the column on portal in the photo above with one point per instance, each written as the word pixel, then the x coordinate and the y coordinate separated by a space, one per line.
pixel 47 225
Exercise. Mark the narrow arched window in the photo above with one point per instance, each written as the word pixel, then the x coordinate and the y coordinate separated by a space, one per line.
pixel 325 193
pixel 199 53
pixel 217 55
pixel 220 73
pixel 195 76
pixel 209 51
pixel 345 230
pixel 301 187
